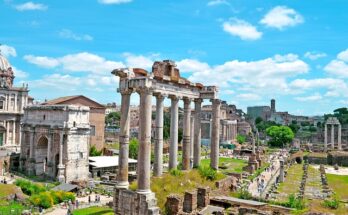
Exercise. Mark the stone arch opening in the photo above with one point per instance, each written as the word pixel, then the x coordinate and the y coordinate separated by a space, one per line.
pixel 41 155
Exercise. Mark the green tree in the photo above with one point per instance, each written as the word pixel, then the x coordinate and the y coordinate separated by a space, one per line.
pixel 241 139
pixel 133 148
pixel 113 118
pixel 280 135
pixel 294 127
pixel 258 120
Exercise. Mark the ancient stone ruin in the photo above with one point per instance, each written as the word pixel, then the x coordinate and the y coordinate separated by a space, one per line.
pixel 163 82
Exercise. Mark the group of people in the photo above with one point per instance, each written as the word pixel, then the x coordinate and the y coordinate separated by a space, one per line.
pixel 72 206
pixel 96 198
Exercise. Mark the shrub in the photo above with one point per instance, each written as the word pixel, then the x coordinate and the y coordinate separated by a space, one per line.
pixel 176 172
pixel 94 152
pixel 244 194
pixel 332 204
pixel 294 202
pixel 43 199
pixel 29 188
pixel 207 172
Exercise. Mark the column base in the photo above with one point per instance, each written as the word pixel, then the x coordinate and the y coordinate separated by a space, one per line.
pixel 61 177
pixel 122 185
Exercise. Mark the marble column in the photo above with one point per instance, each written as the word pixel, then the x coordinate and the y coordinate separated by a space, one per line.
pixel 144 151
pixel 61 166
pixel 14 132
pixel 197 134
pixel 31 166
pixel 325 137
pixel 7 133
pixel 23 154
pixel 223 131
pixel 15 103
pixel 333 136
pixel 214 145
pixel 49 149
pixel 186 135
pixel 192 124
pixel 174 119
pixel 122 172
pixel 158 162
pixel 339 137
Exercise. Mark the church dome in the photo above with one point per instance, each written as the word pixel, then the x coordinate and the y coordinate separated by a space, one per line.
pixel 4 64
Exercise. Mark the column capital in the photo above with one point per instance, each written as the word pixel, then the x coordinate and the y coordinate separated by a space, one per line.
pixel 144 90
pixel 198 100
pixel 187 100
pixel 174 97
pixel 159 96
pixel 126 91
pixel 215 101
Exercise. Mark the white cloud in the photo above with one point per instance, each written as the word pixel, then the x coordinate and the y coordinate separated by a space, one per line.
pixel 217 2
pixel 45 62
pixel 248 96
pixel 339 66
pixel 114 1
pixel 8 51
pixel 191 65
pixel 281 16
pixel 242 29
pixel 343 55
pixel 19 73
pixel 314 97
pixel 80 62
pixel 68 34
pixel 315 55
pixel 139 61
pixel 335 87
pixel 30 6
pixel 57 81
pixel 263 77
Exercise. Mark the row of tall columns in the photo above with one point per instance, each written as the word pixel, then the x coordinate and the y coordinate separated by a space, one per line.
pixel 228 131
pixel 144 153
pixel 339 138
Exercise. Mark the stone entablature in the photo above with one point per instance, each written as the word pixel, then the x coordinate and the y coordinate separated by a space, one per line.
pixel 55 142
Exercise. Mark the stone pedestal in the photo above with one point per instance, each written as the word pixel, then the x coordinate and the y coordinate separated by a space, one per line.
pixel 190 201
pixel 61 175
pixel 252 163
pixel 281 171
pixel 203 197
pixel 258 158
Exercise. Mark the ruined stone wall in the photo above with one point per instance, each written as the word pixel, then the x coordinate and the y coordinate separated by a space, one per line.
pixel 338 157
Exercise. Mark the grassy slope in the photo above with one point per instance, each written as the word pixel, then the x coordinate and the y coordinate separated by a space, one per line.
pixel 94 211
pixel 339 183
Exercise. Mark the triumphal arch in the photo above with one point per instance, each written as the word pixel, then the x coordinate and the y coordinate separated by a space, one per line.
pixel 163 82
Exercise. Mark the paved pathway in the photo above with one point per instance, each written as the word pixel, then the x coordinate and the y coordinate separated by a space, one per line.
pixel 269 177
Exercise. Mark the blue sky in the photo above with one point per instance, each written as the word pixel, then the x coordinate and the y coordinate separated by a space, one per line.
pixel 294 51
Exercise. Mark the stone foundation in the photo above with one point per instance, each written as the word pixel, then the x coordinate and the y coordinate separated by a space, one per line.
pixel 127 202
pixel 338 157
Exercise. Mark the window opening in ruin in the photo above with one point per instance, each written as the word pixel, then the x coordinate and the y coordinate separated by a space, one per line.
pixel 74 124
pixel 44 117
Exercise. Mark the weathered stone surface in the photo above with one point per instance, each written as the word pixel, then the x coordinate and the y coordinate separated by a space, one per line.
pixel 173 204
pixel 190 201
pixel 203 197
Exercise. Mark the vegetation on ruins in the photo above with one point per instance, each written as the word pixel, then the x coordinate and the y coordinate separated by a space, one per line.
pixel 94 211
pixel 207 172
pixel 228 165
pixel 262 125
pixel 241 139
pixel 333 203
pixel 93 151
pixel 133 148
pixel 280 135
pixel 30 188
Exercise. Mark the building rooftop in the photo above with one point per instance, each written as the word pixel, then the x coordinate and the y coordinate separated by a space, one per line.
pixel 106 161
pixel 66 99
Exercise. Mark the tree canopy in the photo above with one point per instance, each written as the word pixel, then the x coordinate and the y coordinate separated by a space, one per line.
pixel 280 135
pixel 241 139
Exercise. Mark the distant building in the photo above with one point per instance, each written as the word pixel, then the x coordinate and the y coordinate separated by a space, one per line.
pixel 96 116
pixel 12 102
pixel 259 111
pixel 110 108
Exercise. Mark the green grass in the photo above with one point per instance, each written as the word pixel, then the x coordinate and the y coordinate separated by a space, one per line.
pixel 179 184
pixel 6 190
pixel 292 182
pixel 94 211
pixel 339 184
pixel 232 165
pixel 11 208
pixel 112 146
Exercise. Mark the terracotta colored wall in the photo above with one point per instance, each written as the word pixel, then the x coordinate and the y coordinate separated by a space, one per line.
pixel 97 118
